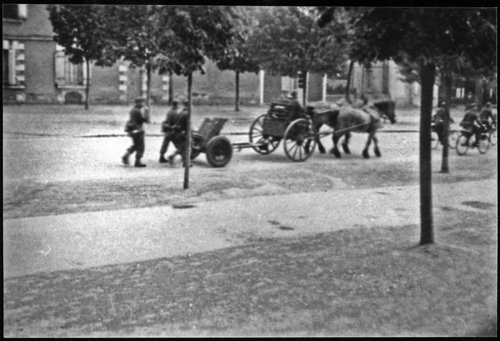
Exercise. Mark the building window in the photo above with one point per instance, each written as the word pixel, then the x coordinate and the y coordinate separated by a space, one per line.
pixel 5 67
pixel 12 63
pixel 14 11
pixel 67 73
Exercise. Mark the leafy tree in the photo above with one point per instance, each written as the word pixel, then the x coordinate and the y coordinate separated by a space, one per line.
pixel 134 30
pixel 239 57
pixel 189 35
pixel 423 37
pixel 82 31
pixel 289 42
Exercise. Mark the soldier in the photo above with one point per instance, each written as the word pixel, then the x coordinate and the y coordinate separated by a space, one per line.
pixel 180 134
pixel 471 122
pixel 168 128
pixel 139 115
pixel 296 107
pixel 438 120
pixel 486 115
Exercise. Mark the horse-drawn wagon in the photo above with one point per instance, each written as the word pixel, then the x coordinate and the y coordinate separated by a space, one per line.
pixel 298 128
pixel 287 121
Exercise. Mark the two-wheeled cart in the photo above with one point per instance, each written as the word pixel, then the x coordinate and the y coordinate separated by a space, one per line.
pixel 288 122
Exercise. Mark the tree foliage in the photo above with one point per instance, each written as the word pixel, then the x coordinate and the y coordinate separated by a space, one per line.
pixel 422 39
pixel 82 31
pixel 239 57
pixel 288 40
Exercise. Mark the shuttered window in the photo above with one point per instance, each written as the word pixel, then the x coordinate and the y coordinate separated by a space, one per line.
pixel 67 73
pixel 9 62
pixel 14 11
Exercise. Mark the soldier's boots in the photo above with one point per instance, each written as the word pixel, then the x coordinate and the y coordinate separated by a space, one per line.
pixel 162 159
pixel 171 159
pixel 125 159
pixel 139 164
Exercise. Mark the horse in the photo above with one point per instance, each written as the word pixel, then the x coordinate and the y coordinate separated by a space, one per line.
pixel 347 119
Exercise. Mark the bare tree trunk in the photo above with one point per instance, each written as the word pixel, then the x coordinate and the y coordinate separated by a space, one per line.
pixel 187 153
pixel 170 88
pixel 348 86
pixel 304 91
pixel 446 122
pixel 237 101
pixel 87 87
pixel 148 84
pixel 427 75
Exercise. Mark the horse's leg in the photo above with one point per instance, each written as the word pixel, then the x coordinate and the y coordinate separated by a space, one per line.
pixel 321 148
pixel 375 148
pixel 345 145
pixel 365 151
pixel 336 137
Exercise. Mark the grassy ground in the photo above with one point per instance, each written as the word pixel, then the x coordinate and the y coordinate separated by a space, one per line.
pixel 361 282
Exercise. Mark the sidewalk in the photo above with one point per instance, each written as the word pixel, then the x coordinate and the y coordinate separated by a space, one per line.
pixel 82 240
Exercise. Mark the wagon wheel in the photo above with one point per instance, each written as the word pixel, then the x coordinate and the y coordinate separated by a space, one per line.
pixel 299 140
pixel 219 151
pixel 257 136
pixel 196 145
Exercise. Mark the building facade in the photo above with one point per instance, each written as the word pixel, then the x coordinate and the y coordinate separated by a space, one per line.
pixel 383 80
pixel 35 70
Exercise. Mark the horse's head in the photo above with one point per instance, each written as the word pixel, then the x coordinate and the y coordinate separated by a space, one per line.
pixel 387 109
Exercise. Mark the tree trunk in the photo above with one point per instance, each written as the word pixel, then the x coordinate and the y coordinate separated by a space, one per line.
pixel 187 153
pixel 479 92
pixel 148 83
pixel 427 75
pixel 348 86
pixel 446 130
pixel 87 86
pixel 170 88
pixel 304 91
pixel 237 101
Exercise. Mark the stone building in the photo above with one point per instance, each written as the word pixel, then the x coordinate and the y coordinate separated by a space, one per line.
pixel 383 80
pixel 35 70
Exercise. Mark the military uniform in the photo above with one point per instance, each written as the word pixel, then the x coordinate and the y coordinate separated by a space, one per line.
pixel 134 128
pixel 485 117
pixel 471 122
pixel 438 121
pixel 168 128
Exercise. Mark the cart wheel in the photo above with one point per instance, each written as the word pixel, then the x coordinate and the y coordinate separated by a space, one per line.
pixel 483 144
pixel 219 151
pixel 434 140
pixel 299 140
pixel 452 139
pixel 462 145
pixel 196 145
pixel 256 136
